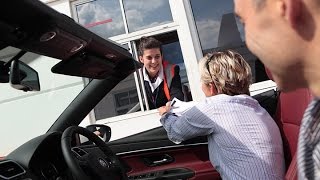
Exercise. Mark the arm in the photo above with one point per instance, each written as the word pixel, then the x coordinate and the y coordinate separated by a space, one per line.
pixel 176 87
pixel 191 124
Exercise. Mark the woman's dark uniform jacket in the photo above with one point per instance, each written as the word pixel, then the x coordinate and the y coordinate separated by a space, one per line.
pixel 169 88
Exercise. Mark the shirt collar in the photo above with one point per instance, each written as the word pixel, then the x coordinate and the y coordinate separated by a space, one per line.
pixel 158 81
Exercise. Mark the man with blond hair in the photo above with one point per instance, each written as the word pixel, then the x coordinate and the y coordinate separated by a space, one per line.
pixel 243 140
pixel 285 35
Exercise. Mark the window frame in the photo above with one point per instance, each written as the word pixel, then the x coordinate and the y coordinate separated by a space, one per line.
pixel 184 24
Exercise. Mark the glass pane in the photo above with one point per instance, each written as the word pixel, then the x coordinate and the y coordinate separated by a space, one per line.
pixel 218 28
pixel 122 111
pixel 172 53
pixel 119 101
pixel 216 23
pixel 133 96
pixel 21 111
pixel 145 14
pixel 126 46
pixel 101 17
pixel 134 99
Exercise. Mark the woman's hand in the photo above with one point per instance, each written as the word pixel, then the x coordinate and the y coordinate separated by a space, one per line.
pixel 164 109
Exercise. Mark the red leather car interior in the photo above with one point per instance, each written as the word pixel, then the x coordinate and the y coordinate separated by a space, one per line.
pixel 290 110
pixel 192 158
pixel 291 107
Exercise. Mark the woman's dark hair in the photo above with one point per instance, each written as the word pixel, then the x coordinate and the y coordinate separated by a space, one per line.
pixel 148 43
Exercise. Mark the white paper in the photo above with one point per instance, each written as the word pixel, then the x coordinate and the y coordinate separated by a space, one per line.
pixel 180 107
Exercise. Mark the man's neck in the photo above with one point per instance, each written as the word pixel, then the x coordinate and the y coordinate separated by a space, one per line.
pixel 312 69
pixel 312 75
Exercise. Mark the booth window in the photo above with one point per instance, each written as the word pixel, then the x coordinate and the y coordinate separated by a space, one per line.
pixel 219 29
pixel 101 17
pixel 145 14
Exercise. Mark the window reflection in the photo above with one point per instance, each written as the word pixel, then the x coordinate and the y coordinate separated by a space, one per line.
pixel 219 29
pixel 126 101
pixel 121 100
pixel 101 17
pixel 145 14
pixel 172 52
pixel 213 20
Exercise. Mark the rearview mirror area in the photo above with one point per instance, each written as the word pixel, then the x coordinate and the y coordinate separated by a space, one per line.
pixel 23 77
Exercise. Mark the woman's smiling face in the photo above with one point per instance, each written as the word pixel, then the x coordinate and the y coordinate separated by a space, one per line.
pixel 152 60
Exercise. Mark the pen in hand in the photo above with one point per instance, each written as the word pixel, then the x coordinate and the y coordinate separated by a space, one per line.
pixel 173 102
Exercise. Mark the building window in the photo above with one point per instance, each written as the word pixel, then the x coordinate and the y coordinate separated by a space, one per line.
pixel 119 20
pixel 145 14
pixel 125 101
pixel 219 29
pixel 105 18
pixel 172 53
pixel 101 17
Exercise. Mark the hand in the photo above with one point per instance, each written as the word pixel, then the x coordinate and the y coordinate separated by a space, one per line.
pixel 97 132
pixel 164 109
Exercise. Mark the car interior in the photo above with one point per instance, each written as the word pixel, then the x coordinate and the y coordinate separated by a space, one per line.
pixel 59 153
pixel 290 111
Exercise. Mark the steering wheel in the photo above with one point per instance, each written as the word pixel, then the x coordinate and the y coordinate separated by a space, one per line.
pixel 99 163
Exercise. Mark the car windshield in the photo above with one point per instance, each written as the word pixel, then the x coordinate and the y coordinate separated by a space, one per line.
pixel 26 115
pixel 64 57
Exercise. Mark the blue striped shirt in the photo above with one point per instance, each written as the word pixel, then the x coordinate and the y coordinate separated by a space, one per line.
pixel 244 142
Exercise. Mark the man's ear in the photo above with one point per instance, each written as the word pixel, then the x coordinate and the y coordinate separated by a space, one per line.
pixel 141 59
pixel 293 12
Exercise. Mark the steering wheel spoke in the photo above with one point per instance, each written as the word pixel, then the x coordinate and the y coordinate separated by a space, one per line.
pixel 99 163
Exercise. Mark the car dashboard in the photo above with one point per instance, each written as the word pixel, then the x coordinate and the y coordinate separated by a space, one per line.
pixel 40 158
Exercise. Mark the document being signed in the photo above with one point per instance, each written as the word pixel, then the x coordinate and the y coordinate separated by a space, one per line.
pixel 179 107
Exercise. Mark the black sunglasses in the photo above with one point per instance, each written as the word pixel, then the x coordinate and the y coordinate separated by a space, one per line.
pixel 209 58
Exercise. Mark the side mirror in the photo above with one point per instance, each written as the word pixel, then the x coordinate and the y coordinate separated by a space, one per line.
pixel 23 77
pixel 103 131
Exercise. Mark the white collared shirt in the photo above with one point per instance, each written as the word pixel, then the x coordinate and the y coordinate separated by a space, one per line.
pixel 158 81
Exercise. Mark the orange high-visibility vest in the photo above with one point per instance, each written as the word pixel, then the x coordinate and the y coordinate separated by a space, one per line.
pixel 168 70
